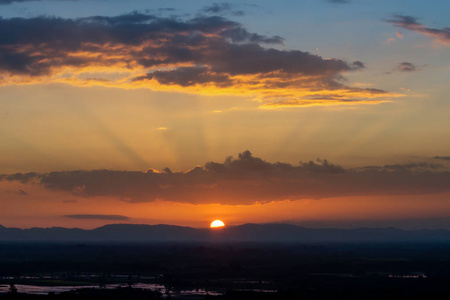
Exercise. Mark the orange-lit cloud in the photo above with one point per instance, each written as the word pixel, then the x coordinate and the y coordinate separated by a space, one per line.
pixel 440 35
pixel 247 180
pixel 204 55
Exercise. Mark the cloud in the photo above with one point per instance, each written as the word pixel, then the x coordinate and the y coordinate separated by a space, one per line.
pixel 5 2
pixel 248 179
pixel 216 8
pixel 204 55
pixel 19 192
pixel 188 76
pixel 407 22
pixel 442 157
pixel 412 166
pixel 22 177
pixel 98 217
pixel 22 193
pixel 406 67
pixel 221 9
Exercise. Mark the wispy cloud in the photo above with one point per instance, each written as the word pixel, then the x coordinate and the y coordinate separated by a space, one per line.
pixel 248 179
pixel 5 2
pixel 98 217
pixel 221 9
pixel 406 67
pixel 19 192
pixel 207 55
pixel 411 23
pixel 442 157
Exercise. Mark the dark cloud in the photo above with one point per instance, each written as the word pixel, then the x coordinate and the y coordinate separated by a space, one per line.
pixel 22 177
pixel 203 51
pixel 216 8
pixel 322 166
pixel 406 67
pixel 19 192
pixel 402 21
pixel 248 179
pixel 357 65
pixel 222 8
pixel 412 166
pixel 411 23
pixel 98 217
pixel 22 193
pixel 5 2
pixel 187 76
pixel 442 157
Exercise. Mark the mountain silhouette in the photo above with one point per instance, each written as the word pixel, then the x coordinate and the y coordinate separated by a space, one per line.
pixel 280 233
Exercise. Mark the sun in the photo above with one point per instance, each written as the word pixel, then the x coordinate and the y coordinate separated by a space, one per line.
pixel 217 224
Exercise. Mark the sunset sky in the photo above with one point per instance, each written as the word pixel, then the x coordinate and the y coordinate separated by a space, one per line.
pixel 322 113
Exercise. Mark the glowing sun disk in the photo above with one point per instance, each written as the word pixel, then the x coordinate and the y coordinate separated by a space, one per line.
pixel 217 223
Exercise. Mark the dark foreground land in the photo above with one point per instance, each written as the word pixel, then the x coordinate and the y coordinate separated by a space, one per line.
pixel 229 271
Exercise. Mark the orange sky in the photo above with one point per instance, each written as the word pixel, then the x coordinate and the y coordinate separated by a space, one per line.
pixel 130 111
pixel 31 204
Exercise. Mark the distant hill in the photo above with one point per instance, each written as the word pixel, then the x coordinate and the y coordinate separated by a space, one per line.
pixel 280 233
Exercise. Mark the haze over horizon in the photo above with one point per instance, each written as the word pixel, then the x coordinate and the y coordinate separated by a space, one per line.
pixel 245 233
pixel 318 112
pixel 240 190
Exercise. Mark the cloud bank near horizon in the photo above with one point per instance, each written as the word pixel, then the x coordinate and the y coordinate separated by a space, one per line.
pixel 204 55
pixel 247 180
pixel 99 217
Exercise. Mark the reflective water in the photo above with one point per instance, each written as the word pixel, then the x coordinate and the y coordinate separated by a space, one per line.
pixel 44 290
